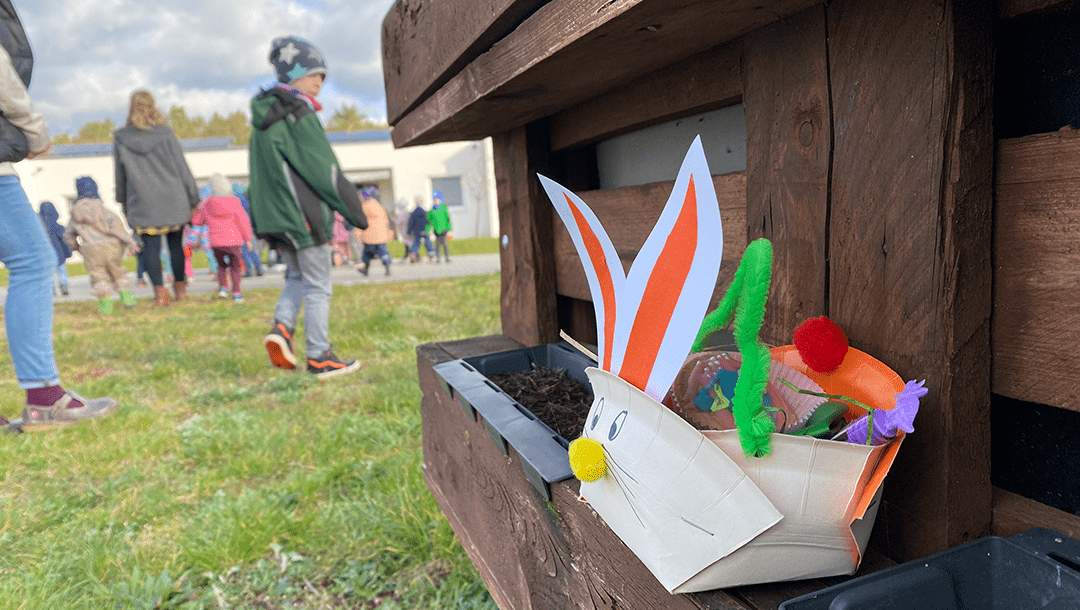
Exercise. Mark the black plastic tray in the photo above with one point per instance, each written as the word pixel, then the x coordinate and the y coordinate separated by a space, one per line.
pixel 1036 569
pixel 541 449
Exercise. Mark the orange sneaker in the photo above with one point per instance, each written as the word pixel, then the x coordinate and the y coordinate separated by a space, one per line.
pixel 279 346
pixel 329 365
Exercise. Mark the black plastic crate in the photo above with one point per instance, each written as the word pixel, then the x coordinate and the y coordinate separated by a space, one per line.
pixel 1036 569
pixel 541 449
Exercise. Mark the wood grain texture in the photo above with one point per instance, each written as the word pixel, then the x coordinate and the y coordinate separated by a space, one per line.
pixel 530 554
pixel 1036 258
pixel 527 301
pixel 1007 9
pixel 789 138
pixel 425 43
pixel 570 51
pixel 629 230
pixel 910 242
pixel 706 81
pixel 1014 513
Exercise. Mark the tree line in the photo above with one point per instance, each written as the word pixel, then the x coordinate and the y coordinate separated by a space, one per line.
pixel 237 125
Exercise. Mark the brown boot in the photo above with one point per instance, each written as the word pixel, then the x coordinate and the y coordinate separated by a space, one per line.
pixel 180 288
pixel 161 295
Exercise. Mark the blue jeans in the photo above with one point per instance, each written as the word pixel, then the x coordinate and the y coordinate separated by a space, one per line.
pixel 307 284
pixel 375 251
pixel 415 249
pixel 61 274
pixel 28 311
pixel 251 260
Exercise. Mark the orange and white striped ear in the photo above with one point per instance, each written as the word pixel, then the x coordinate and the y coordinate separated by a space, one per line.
pixel 647 320
pixel 669 286
pixel 599 258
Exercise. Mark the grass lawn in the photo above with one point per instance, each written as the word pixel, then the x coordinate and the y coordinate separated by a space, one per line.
pixel 225 483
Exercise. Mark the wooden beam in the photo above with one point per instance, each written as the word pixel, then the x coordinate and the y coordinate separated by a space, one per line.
pixel 1014 514
pixel 909 248
pixel 569 51
pixel 1008 9
pixel 425 43
pixel 789 137
pixel 528 305
pixel 1036 309
pixel 706 81
pixel 629 231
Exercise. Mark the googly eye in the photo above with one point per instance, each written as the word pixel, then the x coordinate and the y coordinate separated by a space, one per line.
pixel 616 426
pixel 597 412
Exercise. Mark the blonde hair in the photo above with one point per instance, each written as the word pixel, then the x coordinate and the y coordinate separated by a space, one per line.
pixel 144 113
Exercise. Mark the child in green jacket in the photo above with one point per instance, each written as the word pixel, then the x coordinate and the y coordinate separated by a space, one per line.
pixel 439 220
pixel 296 186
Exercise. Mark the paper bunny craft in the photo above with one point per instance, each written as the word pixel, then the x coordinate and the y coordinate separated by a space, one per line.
pixel 673 497
pixel 697 511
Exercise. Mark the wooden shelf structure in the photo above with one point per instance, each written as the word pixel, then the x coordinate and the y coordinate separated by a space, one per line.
pixel 871 165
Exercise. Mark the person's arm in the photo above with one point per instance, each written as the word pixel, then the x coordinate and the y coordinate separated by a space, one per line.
pixel 121 179
pixel 245 223
pixel 16 105
pixel 190 187
pixel 116 228
pixel 314 160
pixel 71 237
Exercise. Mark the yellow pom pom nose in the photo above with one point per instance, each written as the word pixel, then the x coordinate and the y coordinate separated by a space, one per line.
pixel 587 459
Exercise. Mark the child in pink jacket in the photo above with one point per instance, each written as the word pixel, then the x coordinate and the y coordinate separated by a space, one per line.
pixel 229 229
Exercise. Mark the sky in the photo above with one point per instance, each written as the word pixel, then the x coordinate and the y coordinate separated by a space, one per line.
pixel 204 55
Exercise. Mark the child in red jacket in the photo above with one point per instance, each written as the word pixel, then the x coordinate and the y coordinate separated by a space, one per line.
pixel 229 229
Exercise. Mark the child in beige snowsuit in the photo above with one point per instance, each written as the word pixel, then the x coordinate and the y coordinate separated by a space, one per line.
pixel 100 236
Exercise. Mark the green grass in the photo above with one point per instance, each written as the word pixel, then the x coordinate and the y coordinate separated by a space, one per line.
pixel 226 483
pixel 472 245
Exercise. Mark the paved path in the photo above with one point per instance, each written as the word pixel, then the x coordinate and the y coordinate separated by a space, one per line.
pixel 204 283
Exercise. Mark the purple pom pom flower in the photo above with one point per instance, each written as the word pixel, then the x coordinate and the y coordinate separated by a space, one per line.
pixel 887 423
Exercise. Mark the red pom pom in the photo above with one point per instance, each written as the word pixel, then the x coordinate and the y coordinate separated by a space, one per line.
pixel 821 344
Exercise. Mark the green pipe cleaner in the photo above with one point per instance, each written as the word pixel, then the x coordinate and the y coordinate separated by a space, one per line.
pixel 745 301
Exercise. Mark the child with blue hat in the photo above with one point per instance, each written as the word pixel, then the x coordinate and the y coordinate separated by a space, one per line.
pixel 439 219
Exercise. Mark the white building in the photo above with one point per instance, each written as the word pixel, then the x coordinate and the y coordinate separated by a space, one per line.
pixel 463 171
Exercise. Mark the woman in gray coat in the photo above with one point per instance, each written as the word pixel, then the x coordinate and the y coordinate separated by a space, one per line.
pixel 156 189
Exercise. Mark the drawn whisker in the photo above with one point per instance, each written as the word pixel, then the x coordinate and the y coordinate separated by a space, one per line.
pixel 615 463
pixel 695 525
pixel 625 489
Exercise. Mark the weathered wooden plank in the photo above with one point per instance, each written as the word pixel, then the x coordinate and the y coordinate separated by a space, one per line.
pixel 706 81
pixel 1007 9
pixel 425 43
pixel 909 244
pixel 787 158
pixel 577 318
pixel 629 213
pixel 1038 159
pixel 528 306
pixel 530 554
pixel 473 346
pixel 569 51
pixel 1036 233
pixel 1014 513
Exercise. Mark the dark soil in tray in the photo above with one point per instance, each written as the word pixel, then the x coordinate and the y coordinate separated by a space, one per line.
pixel 552 395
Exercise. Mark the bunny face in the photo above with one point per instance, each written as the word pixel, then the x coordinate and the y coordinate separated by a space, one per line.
pixel 668 492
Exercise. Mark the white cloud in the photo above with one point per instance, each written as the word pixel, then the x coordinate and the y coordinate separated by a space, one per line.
pixel 206 55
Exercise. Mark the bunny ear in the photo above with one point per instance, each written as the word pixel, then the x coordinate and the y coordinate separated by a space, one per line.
pixel 668 288
pixel 599 258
